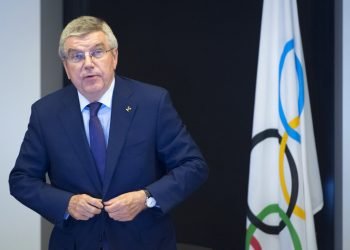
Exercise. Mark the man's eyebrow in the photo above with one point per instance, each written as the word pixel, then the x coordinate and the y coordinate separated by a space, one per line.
pixel 99 45
pixel 73 50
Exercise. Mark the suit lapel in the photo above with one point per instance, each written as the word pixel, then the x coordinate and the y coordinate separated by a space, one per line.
pixel 72 122
pixel 123 110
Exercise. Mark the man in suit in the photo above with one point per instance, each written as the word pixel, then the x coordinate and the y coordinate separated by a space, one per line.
pixel 114 179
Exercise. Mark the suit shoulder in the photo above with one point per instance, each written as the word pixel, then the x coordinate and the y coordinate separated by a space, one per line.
pixel 143 87
pixel 56 97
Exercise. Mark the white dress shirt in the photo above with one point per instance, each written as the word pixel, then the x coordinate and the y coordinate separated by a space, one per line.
pixel 104 113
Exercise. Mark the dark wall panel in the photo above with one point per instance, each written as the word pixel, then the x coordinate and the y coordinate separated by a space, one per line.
pixel 205 53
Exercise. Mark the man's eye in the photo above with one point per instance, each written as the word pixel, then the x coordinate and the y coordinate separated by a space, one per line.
pixel 77 56
pixel 97 53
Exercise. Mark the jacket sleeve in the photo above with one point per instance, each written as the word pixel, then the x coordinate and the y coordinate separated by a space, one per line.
pixel 185 166
pixel 27 179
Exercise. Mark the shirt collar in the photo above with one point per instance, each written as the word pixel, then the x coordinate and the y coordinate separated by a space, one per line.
pixel 106 99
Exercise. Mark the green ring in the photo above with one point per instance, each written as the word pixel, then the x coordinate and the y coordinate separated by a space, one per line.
pixel 274 208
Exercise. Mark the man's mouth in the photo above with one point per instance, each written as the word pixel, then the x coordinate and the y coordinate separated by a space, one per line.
pixel 90 76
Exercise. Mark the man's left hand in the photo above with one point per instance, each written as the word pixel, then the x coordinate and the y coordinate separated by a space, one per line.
pixel 127 206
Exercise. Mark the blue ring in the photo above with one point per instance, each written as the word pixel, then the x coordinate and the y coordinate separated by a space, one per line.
pixel 300 75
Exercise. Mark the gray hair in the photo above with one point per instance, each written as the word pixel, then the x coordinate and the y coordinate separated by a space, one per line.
pixel 82 26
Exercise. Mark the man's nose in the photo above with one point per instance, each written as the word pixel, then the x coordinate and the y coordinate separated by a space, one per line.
pixel 88 59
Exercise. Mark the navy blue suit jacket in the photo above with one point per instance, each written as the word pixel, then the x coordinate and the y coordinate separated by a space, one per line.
pixel 149 147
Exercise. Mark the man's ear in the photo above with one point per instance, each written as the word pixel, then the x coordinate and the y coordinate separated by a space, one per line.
pixel 115 56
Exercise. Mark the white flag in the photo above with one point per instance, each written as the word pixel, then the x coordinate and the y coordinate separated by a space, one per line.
pixel 284 181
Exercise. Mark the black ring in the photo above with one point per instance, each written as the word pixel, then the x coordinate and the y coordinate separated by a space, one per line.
pixel 268 133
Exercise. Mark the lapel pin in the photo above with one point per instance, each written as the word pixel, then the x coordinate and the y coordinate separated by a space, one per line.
pixel 128 109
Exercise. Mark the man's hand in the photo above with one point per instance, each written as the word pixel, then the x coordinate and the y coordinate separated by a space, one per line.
pixel 125 207
pixel 84 207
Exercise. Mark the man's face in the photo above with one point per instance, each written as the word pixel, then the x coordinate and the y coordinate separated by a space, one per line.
pixel 91 76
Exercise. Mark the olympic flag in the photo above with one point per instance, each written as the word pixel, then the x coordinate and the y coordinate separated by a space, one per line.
pixel 284 182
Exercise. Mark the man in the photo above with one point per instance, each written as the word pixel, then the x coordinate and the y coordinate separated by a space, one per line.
pixel 115 150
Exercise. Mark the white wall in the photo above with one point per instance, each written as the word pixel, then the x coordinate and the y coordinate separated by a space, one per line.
pixel 20 87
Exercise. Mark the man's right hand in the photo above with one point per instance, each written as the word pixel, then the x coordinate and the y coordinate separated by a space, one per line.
pixel 84 207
